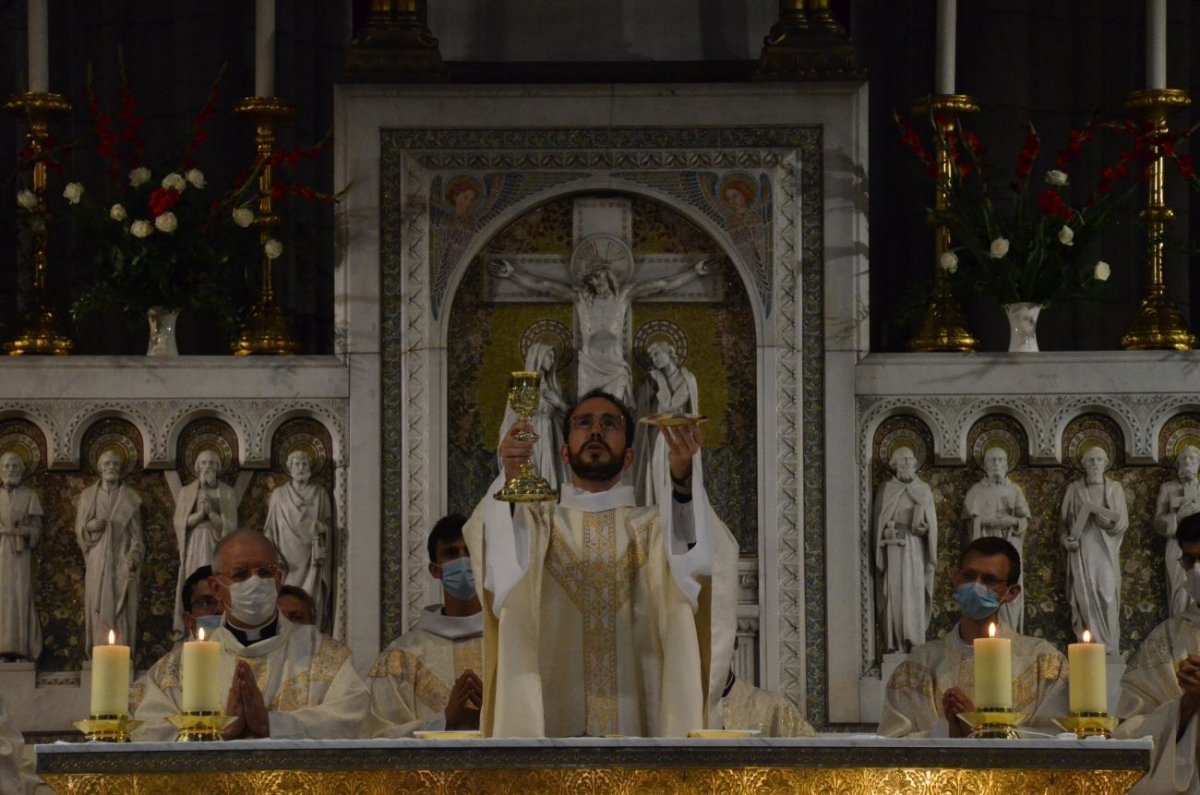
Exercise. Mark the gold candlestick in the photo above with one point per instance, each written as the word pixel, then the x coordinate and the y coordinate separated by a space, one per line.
pixel 266 328
pixel 804 44
pixel 944 327
pixel 1088 724
pixel 1158 324
pixel 993 723
pixel 396 45
pixel 200 726
pixel 107 728
pixel 38 330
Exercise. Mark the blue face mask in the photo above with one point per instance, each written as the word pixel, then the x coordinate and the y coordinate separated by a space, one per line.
pixel 208 623
pixel 976 600
pixel 459 579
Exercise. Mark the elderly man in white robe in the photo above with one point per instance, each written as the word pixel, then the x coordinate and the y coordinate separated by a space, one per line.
pixel 1160 692
pixel 995 506
pixel 108 527
pixel 206 510
pixel 282 680
pixel 1094 520
pixel 428 679
pixel 1177 499
pixel 601 617
pixel 300 524
pixel 906 537
pixel 20 534
pixel 936 684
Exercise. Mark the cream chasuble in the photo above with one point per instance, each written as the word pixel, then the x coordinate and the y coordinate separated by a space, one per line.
pixel 912 701
pixel 307 680
pixel 749 707
pixel 411 679
pixel 1149 705
pixel 603 618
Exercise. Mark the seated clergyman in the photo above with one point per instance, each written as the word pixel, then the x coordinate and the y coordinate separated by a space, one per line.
pixel 936 683
pixel 744 706
pixel 283 680
pixel 428 679
pixel 1160 692
pixel 297 605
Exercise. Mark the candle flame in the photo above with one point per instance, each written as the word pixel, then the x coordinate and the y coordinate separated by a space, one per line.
pixel 112 637
pixel 200 633
pixel 1087 636
pixel 992 629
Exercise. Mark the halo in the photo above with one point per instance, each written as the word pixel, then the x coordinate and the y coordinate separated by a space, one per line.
pixel 902 437
pixel 1003 438
pixel 25 446
pixel 550 332
pixel 1085 440
pixel 305 443
pixel 654 331
pixel 113 442
pixel 740 181
pixel 602 250
pixel 1178 440
pixel 206 441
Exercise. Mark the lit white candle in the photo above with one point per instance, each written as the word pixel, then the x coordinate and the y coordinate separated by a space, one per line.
pixel 993 671
pixel 110 678
pixel 39 46
pixel 1156 43
pixel 201 675
pixel 264 48
pixel 1088 682
pixel 943 80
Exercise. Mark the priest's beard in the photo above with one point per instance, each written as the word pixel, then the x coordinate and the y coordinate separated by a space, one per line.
pixel 603 469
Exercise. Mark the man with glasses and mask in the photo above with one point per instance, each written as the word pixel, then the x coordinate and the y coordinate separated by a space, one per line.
pixel 283 680
pixel 1160 692
pixel 602 617
pixel 935 685
pixel 428 678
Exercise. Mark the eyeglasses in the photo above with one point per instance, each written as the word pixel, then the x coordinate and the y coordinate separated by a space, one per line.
pixel 609 423
pixel 205 603
pixel 987 580
pixel 243 574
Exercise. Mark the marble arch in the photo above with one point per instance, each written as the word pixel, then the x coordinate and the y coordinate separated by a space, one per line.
pixel 236 424
pixel 85 421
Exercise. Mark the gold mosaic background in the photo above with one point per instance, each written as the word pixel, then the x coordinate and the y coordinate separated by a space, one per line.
pixel 484 346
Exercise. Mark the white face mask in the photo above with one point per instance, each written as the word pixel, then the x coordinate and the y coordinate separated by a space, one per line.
pixel 253 601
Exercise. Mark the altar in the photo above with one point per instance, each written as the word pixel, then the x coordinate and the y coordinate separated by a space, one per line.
pixel 826 764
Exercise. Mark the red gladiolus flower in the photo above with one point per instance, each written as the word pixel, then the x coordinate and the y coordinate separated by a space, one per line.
pixel 1051 202
pixel 1187 166
pixel 161 200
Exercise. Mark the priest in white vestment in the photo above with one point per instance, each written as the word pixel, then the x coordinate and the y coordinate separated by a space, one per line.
pixel 206 510
pixel 744 706
pixel 1177 499
pixel 1160 692
pixel 283 680
pixel 300 523
pixel 428 679
pixel 20 534
pixel 601 617
pixel 936 684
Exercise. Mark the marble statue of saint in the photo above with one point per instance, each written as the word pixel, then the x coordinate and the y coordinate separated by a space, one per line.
pixel 667 388
pixel 206 510
pixel 300 523
pixel 108 527
pixel 602 303
pixel 20 533
pixel 1094 520
pixel 547 420
pixel 1177 499
pixel 905 553
pixel 995 506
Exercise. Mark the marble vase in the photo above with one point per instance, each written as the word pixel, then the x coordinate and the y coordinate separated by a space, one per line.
pixel 162 331
pixel 1022 326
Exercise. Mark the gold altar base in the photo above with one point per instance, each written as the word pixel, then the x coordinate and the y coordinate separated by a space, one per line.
pixel 1088 724
pixel 993 724
pixel 200 727
pixel 39 332
pixel 266 332
pixel 107 728
pixel 1158 326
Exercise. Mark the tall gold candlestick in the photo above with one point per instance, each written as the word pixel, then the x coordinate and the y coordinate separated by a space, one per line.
pixel 266 328
pixel 943 328
pixel 38 330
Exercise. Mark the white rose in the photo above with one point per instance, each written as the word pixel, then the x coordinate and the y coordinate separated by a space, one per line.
pixel 1066 236
pixel 998 248
pixel 117 212
pixel 195 177
pixel 167 222
pixel 73 192
pixel 174 182
pixel 243 216
pixel 141 229
pixel 27 200
pixel 948 262
pixel 1056 177
pixel 1101 272
pixel 272 248
pixel 139 176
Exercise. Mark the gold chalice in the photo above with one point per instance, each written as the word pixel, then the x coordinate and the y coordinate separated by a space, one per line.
pixel 524 395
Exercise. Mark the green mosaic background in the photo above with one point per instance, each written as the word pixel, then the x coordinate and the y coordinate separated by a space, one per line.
pixel 484 346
